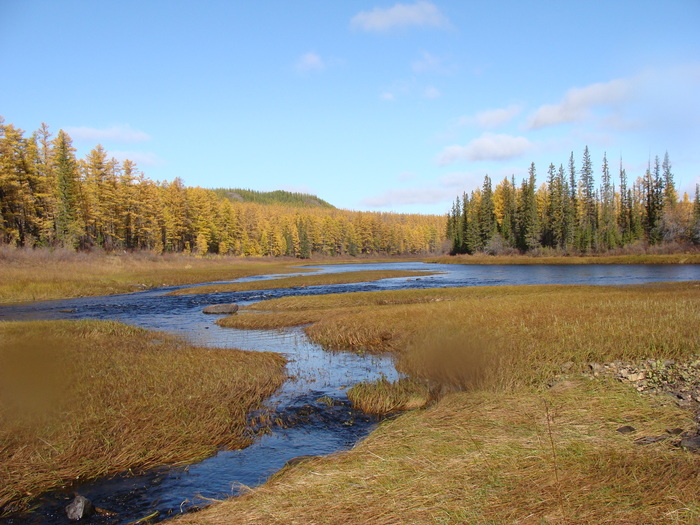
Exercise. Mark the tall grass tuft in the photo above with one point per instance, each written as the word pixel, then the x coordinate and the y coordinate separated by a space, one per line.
pixel 383 397
pixel 91 398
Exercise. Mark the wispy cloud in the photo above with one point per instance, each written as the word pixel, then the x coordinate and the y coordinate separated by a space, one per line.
pixel 119 133
pixel 492 118
pixel 431 92
pixel 405 196
pixel 309 62
pixel 429 63
pixel 420 14
pixel 578 102
pixel 142 158
pixel 388 96
pixel 489 146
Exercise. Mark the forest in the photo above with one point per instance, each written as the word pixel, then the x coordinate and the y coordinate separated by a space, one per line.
pixel 568 214
pixel 50 198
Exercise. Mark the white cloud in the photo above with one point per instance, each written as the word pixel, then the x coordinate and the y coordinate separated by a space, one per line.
pixel 492 118
pixel 309 62
pixel 388 96
pixel 431 92
pixel 142 158
pixel 487 147
pixel 578 102
pixel 404 196
pixel 429 63
pixel 420 14
pixel 119 133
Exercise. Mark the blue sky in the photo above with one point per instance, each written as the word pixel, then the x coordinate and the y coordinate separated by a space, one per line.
pixel 371 105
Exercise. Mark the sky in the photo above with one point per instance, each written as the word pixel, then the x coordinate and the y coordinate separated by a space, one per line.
pixel 371 105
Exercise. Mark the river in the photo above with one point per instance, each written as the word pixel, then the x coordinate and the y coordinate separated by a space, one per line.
pixel 312 424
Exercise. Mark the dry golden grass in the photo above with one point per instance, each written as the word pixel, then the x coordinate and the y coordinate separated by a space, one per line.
pixel 37 275
pixel 505 336
pixel 507 449
pixel 303 281
pixel 89 398
pixel 385 397
pixel 672 258
pixel 527 457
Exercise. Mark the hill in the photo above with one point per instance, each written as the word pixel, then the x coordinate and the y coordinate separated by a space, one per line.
pixel 287 198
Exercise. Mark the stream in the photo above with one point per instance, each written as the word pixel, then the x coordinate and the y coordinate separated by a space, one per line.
pixel 317 417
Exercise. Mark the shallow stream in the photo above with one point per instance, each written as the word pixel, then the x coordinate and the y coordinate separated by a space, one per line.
pixel 313 406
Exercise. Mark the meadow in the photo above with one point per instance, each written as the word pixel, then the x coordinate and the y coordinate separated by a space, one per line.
pixel 41 274
pixel 82 399
pixel 514 428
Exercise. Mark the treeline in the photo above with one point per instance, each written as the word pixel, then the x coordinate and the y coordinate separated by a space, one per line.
pixel 48 197
pixel 285 198
pixel 569 214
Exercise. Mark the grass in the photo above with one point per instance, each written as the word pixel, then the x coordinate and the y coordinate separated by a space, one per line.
pixel 37 275
pixel 83 399
pixel 673 258
pixel 525 457
pixel 384 397
pixel 497 337
pixel 510 438
pixel 303 281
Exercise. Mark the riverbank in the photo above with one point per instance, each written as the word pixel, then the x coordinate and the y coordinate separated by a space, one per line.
pixel 83 399
pixel 524 424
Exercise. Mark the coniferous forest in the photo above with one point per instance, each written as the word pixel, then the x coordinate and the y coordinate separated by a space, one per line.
pixel 569 214
pixel 48 197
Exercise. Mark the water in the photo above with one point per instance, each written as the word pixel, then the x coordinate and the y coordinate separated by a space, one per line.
pixel 311 427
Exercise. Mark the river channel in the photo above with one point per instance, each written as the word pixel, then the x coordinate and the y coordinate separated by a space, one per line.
pixel 312 405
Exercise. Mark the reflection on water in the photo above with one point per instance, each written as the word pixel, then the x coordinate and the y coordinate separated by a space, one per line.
pixel 310 426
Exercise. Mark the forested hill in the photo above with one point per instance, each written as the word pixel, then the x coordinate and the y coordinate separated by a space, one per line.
pixel 285 198
pixel 49 197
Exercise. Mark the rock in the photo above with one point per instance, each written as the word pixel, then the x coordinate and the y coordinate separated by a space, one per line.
pixel 691 443
pixel 626 429
pixel 596 368
pixel 231 308
pixel 648 440
pixel 79 508
pixel 567 366
pixel 674 431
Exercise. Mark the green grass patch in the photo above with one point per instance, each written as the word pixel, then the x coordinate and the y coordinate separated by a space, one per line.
pixel 303 281
pixel 81 399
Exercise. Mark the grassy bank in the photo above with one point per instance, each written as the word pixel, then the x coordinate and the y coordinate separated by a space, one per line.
pixel 526 457
pixel 88 398
pixel 37 275
pixel 497 337
pixel 511 437
pixel 674 258
pixel 303 281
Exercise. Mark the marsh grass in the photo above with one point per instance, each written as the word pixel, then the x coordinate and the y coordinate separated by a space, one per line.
pixel 518 442
pixel 303 281
pixel 41 274
pixel 84 399
pixel 527 457
pixel 384 397
pixel 501 337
